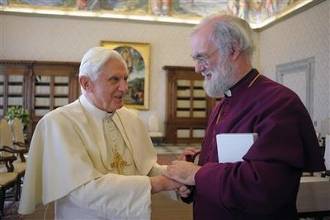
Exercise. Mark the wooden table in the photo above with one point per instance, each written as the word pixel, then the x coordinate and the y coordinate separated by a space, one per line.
pixel 314 200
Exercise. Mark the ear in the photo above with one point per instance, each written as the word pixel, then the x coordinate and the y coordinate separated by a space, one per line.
pixel 86 83
pixel 235 51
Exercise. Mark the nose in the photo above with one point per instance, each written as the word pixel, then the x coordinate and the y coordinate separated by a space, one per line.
pixel 199 67
pixel 123 87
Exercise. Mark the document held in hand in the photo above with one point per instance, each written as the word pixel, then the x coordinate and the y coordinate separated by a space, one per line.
pixel 233 146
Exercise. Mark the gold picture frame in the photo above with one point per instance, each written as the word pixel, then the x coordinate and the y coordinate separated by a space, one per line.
pixel 137 57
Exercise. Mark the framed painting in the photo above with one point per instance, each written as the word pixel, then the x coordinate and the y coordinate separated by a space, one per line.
pixel 137 57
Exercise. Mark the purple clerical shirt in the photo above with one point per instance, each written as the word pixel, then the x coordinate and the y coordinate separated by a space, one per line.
pixel 265 184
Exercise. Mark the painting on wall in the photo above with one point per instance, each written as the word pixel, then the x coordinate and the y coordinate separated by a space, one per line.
pixel 138 6
pixel 254 11
pixel 259 13
pixel 42 3
pixel 137 57
pixel 198 7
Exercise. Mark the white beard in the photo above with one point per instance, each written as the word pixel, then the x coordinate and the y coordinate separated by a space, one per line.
pixel 221 79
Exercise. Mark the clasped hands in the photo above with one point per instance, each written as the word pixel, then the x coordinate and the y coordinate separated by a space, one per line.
pixel 181 173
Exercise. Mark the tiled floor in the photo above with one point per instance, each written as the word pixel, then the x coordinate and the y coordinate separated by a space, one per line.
pixel 317 177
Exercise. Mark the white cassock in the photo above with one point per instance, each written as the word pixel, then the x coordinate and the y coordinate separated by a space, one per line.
pixel 71 162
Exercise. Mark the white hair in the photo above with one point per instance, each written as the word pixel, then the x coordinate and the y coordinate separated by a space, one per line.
pixel 229 32
pixel 94 59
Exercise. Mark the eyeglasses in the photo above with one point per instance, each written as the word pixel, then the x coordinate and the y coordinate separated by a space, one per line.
pixel 203 59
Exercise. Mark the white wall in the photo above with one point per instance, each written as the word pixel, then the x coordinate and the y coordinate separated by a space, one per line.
pixel 25 37
pixel 301 36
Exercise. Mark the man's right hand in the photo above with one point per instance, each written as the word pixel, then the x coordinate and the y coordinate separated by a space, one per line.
pixel 163 183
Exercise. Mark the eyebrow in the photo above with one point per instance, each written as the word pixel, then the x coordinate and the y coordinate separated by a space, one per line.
pixel 117 75
pixel 198 56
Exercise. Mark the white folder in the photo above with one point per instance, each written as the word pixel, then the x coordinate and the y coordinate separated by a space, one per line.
pixel 233 146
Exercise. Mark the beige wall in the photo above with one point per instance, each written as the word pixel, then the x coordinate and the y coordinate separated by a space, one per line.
pixel 304 35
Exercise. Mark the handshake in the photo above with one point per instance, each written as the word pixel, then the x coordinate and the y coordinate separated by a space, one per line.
pixel 179 175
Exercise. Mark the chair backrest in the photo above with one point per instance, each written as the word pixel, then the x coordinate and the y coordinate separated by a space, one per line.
pixel 6 137
pixel 17 129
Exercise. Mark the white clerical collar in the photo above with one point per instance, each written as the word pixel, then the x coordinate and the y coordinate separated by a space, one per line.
pixel 228 93
pixel 93 110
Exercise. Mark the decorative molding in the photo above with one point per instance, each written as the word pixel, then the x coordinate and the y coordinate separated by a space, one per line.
pixel 299 76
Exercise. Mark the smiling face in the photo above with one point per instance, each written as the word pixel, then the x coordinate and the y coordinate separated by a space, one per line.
pixel 108 90
pixel 214 66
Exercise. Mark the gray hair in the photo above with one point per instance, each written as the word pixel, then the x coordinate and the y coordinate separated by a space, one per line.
pixel 229 32
pixel 94 59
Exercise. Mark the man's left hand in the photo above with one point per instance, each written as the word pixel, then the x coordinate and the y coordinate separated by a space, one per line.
pixel 182 171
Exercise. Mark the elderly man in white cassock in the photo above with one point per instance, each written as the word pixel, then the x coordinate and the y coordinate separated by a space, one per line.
pixel 92 157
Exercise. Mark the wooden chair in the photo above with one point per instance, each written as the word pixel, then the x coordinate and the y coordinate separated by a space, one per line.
pixel 14 148
pixel 17 129
pixel 8 178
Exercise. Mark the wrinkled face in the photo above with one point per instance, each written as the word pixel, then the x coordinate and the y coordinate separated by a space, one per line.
pixel 108 90
pixel 214 66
